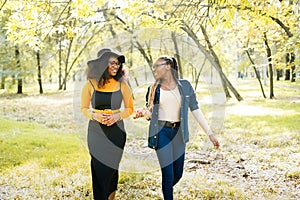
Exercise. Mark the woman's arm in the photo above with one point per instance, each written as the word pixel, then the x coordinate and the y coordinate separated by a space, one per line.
pixel 128 101
pixel 86 96
pixel 204 125
pixel 144 112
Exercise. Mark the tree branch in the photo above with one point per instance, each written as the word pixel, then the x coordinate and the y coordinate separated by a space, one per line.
pixel 56 22
pixel 3 4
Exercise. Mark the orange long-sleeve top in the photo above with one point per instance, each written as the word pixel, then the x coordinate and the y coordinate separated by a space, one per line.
pixel 111 86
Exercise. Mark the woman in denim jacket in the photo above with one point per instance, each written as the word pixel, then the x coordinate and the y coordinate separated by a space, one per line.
pixel 167 101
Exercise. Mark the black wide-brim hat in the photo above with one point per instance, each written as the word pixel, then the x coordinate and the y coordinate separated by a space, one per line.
pixel 96 67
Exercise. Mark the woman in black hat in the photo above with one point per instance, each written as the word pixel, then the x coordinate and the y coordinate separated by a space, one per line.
pixel 101 99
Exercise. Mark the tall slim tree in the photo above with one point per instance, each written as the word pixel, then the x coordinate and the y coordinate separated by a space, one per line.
pixel 39 75
pixel 269 58
pixel 20 74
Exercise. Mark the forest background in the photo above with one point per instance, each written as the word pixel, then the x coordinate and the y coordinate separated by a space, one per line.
pixel 242 58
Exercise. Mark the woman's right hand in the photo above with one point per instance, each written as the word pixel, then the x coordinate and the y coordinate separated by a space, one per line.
pixel 214 141
pixel 99 117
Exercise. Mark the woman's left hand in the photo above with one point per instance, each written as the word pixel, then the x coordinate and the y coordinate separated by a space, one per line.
pixel 110 119
pixel 214 141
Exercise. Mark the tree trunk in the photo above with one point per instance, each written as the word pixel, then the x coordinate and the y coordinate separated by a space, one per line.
pixel 65 78
pixel 69 67
pixel 290 57
pixel 13 77
pixel 269 54
pixel 215 57
pixel 256 73
pixel 59 65
pixel 290 73
pixel 293 67
pixel 39 71
pixel 214 61
pixel 20 82
pixel 287 75
pixel 287 71
pixel 194 73
pixel 177 54
pixel 50 77
pixel 198 75
pixel 278 74
pixel 3 82
pixel 66 74
pixel 148 58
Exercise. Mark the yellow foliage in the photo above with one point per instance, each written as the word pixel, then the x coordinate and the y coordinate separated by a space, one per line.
pixel 99 3
pixel 81 8
pixel 70 33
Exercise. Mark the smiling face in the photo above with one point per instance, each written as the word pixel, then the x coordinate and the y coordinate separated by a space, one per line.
pixel 160 68
pixel 113 66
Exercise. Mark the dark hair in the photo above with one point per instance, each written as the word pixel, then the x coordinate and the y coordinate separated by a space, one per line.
pixel 172 61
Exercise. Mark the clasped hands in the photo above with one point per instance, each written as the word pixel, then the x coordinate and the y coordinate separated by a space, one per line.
pixel 141 112
pixel 106 119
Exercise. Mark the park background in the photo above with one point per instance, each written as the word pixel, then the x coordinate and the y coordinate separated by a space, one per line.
pixel 242 58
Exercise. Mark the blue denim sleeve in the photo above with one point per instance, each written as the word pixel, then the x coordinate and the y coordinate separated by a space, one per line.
pixel 193 104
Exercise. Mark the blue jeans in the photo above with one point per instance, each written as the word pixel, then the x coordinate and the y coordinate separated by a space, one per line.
pixel 170 153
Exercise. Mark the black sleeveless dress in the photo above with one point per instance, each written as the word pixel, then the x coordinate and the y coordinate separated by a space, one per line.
pixel 106 144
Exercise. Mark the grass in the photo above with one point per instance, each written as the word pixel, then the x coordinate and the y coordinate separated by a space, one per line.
pixel 32 89
pixel 32 154
pixel 21 142
pixel 266 131
pixel 43 154
pixel 221 189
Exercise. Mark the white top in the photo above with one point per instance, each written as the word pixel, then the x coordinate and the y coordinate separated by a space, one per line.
pixel 169 105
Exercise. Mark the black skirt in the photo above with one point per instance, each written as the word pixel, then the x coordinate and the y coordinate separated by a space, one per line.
pixel 106 145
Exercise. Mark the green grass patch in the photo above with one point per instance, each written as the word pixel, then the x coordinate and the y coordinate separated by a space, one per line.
pixel 265 131
pixel 44 163
pixel 263 125
pixel 288 84
pixel 21 142
pixel 285 105
pixel 202 188
pixel 33 89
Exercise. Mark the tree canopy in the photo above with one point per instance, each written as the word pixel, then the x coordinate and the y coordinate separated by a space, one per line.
pixel 50 41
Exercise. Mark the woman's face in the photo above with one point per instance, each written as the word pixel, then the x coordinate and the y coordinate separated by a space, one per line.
pixel 159 68
pixel 113 66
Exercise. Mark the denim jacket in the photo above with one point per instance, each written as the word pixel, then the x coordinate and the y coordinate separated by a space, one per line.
pixel 188 100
